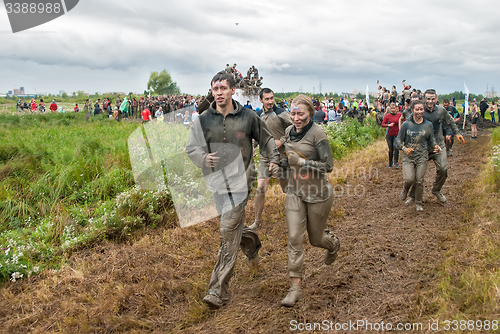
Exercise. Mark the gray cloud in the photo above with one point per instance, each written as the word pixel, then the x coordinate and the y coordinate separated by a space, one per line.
pixel 293 43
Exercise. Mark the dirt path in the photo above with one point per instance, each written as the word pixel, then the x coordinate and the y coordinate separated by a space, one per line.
pixel 388 253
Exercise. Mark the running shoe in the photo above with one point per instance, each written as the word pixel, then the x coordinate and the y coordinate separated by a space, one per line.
pixel 213 301
pixel 396 165
pixel 403 194
pixel 409 201
pixel 255 226
pixel 439 196
pixel 293 296
pixel 332 254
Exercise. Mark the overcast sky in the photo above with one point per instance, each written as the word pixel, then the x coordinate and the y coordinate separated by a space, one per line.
pixel 113 45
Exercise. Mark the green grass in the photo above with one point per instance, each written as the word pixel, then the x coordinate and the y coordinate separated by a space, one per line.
pixel 66 182
pixel 468 279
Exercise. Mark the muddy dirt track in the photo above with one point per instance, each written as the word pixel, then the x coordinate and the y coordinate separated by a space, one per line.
pixel 388 254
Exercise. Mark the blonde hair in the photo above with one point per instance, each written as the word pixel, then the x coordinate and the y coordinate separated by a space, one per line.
pixel 305 101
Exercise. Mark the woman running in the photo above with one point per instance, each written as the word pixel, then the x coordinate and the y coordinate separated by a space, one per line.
pixel 416 139
pixel 391 121
pixel 309 195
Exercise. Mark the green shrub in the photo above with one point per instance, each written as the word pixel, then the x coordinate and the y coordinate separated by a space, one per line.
pixel 350 135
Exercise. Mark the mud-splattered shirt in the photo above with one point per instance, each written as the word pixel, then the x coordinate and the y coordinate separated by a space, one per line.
pixel 438 116
pixel 276 124
pixel 310 182
pixel 419 137
pixel 231 137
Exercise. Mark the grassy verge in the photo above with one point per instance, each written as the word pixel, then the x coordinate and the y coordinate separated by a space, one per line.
pixel 468 287
pixel 66 183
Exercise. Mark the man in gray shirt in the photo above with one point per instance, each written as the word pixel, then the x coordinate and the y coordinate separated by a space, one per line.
pixel 220 143
pixel 277 120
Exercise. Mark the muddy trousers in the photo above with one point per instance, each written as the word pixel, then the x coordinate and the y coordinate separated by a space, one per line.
pixel 413 175
pixel 393 150
pixel 441 161
pixel 301 217
pixel 233 235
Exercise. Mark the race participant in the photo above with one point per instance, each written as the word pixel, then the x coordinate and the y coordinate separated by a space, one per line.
pixel 226 131
pixel 438 115
pixel 309 195
pixel 394 94
pixel 406 95
pixel 276 121
pixel 405 115
pixel 449 140
pixel 416 138
pixel 391 121
pixel 475 117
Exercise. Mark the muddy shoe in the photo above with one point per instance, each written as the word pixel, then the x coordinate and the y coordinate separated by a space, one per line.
pixel 255 225
pixel 293 296
pixel 409 201
pixel 332 254
pixel 419 207
pixel 213 301
pixel 439 196
pixel 403 194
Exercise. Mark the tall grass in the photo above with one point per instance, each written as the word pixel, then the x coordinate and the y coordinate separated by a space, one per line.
pixel 468 285
pixel 65 180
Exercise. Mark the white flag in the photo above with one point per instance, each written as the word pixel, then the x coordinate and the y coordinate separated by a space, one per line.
pixel 466 104
pixel 367 97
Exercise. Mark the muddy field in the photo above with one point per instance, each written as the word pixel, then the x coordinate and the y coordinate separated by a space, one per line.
pixel 389 254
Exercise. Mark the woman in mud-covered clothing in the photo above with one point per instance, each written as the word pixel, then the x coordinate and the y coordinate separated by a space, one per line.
pixel 309 195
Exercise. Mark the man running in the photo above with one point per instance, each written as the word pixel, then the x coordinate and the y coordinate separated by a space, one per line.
pixel 446 129
pixel 220 142
pixel 438 115
pixel 277 120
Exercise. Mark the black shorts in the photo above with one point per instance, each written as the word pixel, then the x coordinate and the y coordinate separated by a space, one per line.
pixel 474 120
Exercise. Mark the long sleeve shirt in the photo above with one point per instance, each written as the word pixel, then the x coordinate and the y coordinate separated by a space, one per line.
pixel 392 118
pixel 438 116
pixel 310 182
pixel 276 124
pixel 419 137
pixel 231 137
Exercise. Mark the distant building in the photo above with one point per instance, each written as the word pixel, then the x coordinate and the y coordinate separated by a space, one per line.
pixel 19 91
pixel 9 92
pixel 490 94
